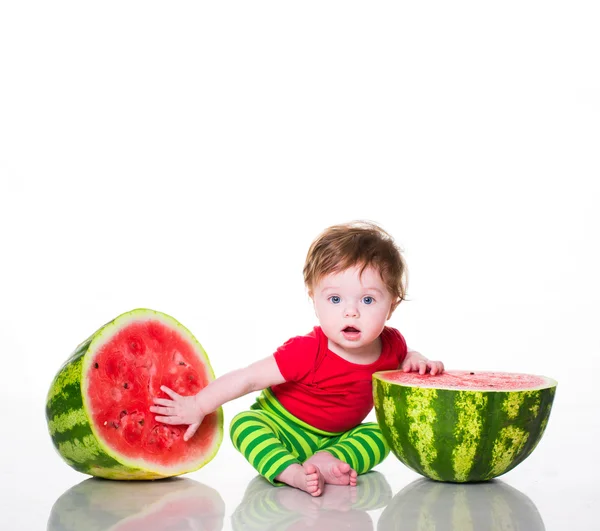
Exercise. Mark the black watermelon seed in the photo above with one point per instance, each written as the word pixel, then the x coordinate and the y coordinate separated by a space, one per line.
pixel 126 386
pixel 95 365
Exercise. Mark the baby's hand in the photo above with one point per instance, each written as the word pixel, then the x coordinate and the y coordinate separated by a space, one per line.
pixel 180 410
pixel 415 362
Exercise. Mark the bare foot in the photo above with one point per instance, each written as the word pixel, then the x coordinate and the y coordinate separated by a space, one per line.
pixel 335 471
pixel 306 477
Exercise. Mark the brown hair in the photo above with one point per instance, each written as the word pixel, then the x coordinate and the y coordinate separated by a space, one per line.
pixel 361 243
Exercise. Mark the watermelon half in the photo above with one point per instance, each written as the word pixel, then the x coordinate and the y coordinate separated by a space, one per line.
pixel 462 426
pixel 98 404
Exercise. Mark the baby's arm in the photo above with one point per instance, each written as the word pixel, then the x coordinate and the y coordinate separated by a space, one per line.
pixel 191 410
pixel 415 361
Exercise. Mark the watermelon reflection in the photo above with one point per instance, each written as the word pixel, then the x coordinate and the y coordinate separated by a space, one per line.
pixel 169 504
pixel 284 508
pixel 493 506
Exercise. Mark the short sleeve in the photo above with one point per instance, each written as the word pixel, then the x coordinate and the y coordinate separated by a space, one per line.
pixel 398 344
pixel 296 357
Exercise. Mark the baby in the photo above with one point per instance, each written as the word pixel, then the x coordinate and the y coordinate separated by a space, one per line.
pixel 305 428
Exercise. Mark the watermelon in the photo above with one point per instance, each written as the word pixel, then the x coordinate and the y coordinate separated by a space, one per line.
pixel 425 505
pixel 177 503
pixel 97 407
pixel 462 426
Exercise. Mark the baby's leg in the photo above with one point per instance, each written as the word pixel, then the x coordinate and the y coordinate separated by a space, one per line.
pixel 355 452
pixel 268 444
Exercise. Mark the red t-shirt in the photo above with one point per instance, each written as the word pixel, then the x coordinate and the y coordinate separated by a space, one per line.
pixel 325 390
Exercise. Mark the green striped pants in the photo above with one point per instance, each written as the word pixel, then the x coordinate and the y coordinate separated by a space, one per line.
pixel 271 439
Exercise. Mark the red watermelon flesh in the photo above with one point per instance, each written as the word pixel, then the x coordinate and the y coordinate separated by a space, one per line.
pixel 469 380
pixel 124 377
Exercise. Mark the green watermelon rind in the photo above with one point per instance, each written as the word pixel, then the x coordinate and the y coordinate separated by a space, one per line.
pixel 78 442
pixel 458 435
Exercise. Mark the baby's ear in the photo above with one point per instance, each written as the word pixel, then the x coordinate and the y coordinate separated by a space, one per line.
pixel 393 307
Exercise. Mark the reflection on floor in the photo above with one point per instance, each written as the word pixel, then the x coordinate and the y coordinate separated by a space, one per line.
pixel 492 506
pixel 265 507
pixel 187 505
pixel 170 504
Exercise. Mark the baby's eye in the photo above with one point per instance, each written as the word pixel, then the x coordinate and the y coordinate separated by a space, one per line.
pixel 335 299
pixel 368 300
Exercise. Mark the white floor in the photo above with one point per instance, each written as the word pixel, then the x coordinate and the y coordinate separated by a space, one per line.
pixel 554 489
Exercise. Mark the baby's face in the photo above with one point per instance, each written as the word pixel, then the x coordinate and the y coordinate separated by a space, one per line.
pixel 352 309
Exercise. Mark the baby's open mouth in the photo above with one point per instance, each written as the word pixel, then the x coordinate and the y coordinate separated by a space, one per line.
pixel 350 329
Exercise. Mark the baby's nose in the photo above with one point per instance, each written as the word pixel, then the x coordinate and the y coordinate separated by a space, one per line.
pixel 351 311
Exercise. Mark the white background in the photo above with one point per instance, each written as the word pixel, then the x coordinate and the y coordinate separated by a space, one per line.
pixel 182 157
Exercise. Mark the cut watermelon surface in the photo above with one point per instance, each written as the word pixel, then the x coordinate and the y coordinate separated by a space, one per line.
pixel 98 404
pixel 462 426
